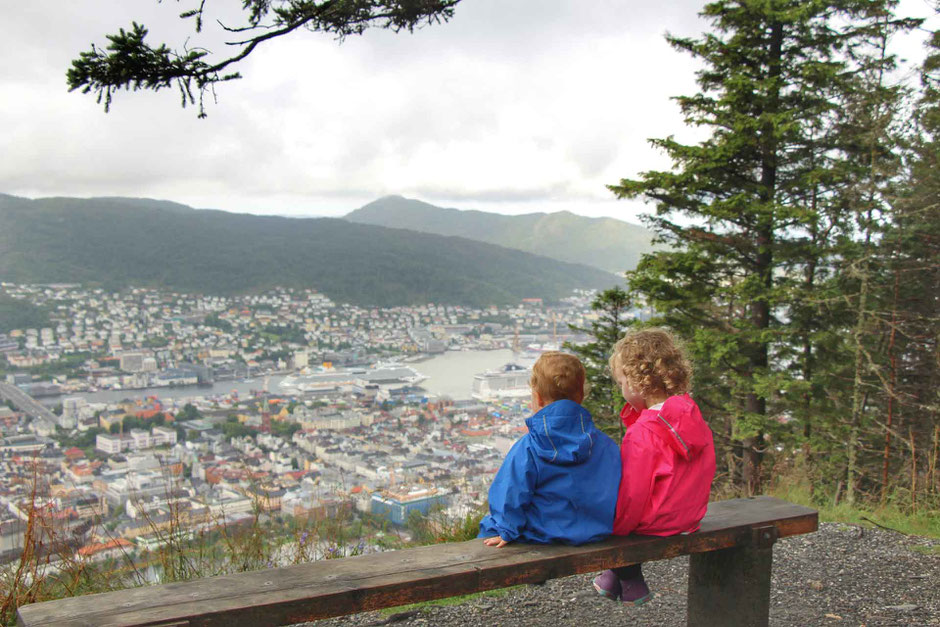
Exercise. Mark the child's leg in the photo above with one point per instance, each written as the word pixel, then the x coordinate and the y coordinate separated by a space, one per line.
pixel 629 572
pixel 633 588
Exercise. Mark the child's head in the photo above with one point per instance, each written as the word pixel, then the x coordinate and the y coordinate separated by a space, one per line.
pixel 650 364
pixel 557 376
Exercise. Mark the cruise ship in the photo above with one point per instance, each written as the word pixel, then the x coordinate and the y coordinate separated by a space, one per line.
pixel 510 381
pixel 388 374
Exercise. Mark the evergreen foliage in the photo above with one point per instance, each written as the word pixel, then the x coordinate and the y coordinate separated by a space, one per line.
pixel 129 62
pixel 902 358
pixel 775 224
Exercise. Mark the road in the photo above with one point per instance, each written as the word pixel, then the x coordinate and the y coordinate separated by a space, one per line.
pixel 26 403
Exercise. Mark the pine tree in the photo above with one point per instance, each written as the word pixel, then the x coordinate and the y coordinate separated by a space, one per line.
pixel 741 209
pixel 867 126
pixel 908 377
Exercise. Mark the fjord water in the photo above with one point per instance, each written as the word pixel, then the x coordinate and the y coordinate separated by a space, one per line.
pixel 448 374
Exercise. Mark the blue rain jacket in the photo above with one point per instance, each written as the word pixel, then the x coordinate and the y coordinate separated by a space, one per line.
pixel 558 483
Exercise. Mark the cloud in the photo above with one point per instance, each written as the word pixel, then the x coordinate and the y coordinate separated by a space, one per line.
pixel 505 102
pixel 510 105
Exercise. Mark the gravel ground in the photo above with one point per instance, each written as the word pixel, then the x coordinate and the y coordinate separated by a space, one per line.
pixel 841 575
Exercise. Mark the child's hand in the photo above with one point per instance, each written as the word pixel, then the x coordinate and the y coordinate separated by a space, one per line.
pixel 495 541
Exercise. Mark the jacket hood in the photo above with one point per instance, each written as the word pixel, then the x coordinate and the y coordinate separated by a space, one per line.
pixel 562 433
pixel 679 423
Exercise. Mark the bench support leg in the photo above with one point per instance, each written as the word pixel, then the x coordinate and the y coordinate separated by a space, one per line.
pixel 730 587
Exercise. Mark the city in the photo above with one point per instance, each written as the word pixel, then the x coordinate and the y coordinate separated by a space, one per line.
pixel 130 415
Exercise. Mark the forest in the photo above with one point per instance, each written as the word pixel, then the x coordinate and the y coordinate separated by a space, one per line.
pixel 801 260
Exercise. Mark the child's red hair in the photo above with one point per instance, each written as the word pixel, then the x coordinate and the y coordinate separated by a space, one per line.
pixel 557 376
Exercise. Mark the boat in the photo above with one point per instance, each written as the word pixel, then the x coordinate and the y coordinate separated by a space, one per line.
pixel 510 381
pixel 390 373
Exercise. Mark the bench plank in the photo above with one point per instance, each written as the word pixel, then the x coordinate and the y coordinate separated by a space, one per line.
pixel 295 594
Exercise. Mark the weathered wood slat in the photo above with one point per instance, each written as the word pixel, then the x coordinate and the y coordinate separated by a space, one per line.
pixel 730 587
pixel 283 596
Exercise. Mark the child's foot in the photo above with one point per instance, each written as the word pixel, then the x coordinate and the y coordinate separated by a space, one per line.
pixel 635 591
pixel 607 585
pixel 632 591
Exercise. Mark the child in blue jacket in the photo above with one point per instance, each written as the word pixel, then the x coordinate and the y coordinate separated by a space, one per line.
pixel 559 482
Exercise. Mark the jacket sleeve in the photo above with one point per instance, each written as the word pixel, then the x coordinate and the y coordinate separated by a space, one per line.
pixel 640 464
pixel 511 492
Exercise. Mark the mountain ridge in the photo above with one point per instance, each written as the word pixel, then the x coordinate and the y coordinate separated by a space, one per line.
pixel 118 242
pixel 605 243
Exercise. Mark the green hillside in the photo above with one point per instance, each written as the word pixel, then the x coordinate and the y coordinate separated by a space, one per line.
pixel 19 314
pixel 604 243
pixel 116 242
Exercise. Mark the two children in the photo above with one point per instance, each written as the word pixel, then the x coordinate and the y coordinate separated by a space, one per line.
pixel 667 459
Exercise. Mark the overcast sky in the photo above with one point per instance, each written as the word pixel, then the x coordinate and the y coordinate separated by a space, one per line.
pixel 511 107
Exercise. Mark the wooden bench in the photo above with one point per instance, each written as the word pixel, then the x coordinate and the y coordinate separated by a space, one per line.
pixel 729 577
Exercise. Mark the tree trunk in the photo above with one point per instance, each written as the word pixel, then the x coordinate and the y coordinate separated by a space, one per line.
pixel 857 390
pixel 764 232
pixel 891 388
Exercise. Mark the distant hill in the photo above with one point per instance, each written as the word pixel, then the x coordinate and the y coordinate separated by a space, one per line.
pixel 605 243
pixel 116 242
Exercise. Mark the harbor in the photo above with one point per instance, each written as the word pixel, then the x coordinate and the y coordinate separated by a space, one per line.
pixel 450 374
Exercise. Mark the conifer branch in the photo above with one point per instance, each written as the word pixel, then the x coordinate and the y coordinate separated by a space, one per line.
pixel 129 62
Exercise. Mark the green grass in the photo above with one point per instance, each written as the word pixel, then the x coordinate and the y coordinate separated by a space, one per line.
pixel 458 600
pixel 924 522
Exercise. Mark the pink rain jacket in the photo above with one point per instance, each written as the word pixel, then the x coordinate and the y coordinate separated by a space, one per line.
pixel 668 463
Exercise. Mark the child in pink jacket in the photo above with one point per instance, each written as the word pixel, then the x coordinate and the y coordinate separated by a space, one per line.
pixel 667 454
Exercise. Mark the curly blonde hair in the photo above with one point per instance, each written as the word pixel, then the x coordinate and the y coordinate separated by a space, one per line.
pixel 653 362
pixel 557 376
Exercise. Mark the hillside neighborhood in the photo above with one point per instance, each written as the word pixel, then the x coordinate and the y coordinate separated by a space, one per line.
pixel 335 423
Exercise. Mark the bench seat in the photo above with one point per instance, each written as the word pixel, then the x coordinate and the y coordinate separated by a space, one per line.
pixel 729 578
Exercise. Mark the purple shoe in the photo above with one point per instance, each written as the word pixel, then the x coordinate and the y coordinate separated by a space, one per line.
pixel 635 591
pixel 607 585
pixel 631 591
